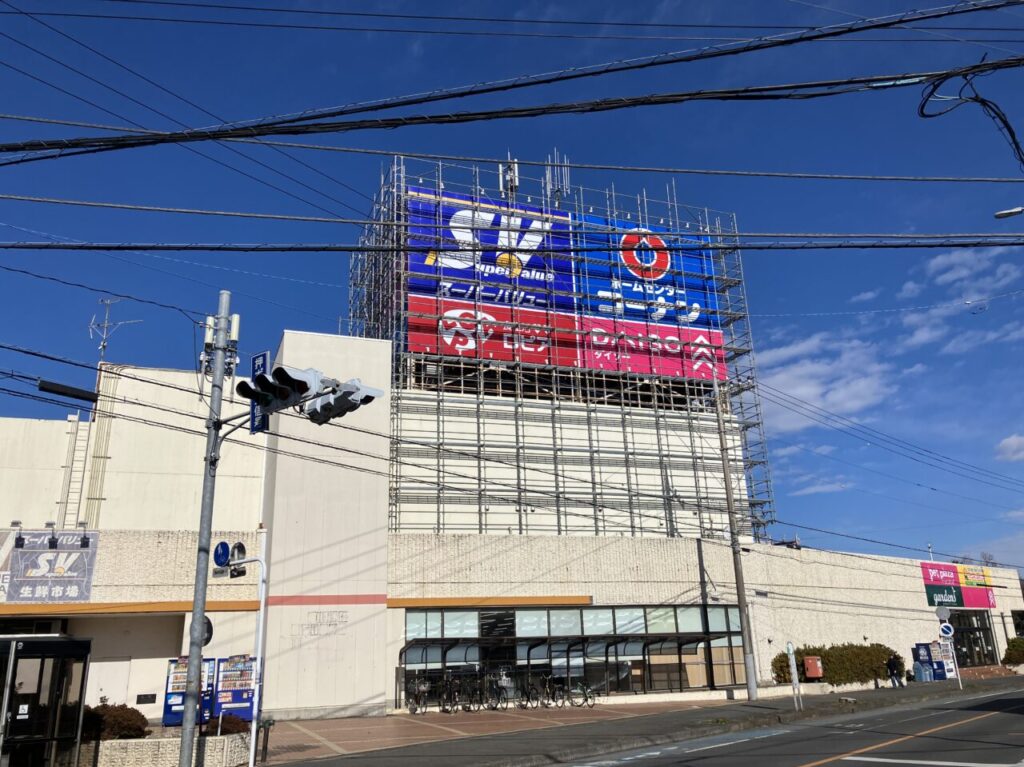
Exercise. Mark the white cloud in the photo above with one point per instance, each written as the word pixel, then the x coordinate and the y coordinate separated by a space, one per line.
pixel 846 376
pixel 822 487
pixel 970 339
pixel 957 266
pixel 867 295
pixel 916 369
pixel 1011 448
pixel 1015 516
pixel 910 289
pixel 824 449
pixel 803 347
pixel 788 450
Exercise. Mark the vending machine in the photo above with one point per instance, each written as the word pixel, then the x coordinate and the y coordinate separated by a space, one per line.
pixel 235 681
pixel 174 692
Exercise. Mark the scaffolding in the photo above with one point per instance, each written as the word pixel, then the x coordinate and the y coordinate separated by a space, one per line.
pixel 517 411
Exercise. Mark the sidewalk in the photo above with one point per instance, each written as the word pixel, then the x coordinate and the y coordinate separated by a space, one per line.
pixel 551 736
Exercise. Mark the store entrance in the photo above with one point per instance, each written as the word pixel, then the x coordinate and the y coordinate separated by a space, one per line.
pixel 41 710
pixel 973 638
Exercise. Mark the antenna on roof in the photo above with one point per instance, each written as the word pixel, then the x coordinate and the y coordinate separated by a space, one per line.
pixel 106 328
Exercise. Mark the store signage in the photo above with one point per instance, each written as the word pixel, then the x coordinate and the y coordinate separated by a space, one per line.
pixel 638 347
pixel 952 585
pixel 644 274
pixel 38 573
pixel 483 250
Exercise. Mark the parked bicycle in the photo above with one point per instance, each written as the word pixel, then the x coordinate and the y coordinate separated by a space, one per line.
pixel 552 694
pixel 582 695
pixel 416 696
pixel 495 695
pixel 526 695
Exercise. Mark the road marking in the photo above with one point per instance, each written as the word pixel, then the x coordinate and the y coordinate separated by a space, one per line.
pixel 319 738
pixel 438 726
pixel 905 738
pixel 924 762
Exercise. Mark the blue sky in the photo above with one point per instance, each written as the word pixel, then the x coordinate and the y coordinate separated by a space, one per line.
pixel 944 377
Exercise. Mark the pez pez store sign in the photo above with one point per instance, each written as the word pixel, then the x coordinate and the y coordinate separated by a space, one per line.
pixel 948 585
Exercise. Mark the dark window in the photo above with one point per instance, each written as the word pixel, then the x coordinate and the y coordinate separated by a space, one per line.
pixel 1018 622
pixel 497 623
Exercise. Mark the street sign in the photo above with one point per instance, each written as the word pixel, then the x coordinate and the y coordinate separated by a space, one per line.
pixel 258 420
pixel 221 572
pixel 207 631
pixel 222 554
pixel 942 613
pixel 237 554
pixel 946 630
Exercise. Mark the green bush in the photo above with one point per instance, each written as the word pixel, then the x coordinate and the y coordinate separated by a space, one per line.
pixel 1014 655
pixel 106 722
pixel 842 664
pixel 229 724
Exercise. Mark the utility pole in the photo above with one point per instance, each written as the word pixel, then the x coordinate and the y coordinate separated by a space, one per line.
pixel 193 676
pixel 737 554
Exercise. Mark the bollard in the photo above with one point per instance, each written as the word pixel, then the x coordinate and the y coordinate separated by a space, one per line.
pixel 265 725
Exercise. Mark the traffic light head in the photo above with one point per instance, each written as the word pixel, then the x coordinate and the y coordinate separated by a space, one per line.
pixel 285 387
pixel 345 398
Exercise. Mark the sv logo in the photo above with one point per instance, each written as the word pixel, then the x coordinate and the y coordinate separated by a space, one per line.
pixel 53 564
pixel 468 228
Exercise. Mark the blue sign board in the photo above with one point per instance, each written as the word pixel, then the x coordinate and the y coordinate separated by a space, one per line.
pixel 645 274
pixel 258 420
pixel 478 249
pixel 222 554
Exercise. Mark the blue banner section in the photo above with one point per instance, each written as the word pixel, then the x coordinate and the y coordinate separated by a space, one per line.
pixel 645 275
pixel 478 249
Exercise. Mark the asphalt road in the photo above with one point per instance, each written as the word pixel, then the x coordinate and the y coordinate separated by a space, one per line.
pixel 976 731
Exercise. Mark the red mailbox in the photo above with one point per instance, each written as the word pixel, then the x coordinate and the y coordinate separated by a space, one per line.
pixel 813 668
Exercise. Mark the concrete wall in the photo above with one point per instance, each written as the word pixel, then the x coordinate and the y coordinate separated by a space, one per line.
pixel 32 458
pixel 805 596
pixel 328 543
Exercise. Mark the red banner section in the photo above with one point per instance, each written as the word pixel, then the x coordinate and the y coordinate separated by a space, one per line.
pixel 514 334
pixel 491 332
pixel 952 585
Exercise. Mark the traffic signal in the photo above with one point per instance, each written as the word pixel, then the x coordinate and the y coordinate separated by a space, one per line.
pixel 339 400
pixel 285 387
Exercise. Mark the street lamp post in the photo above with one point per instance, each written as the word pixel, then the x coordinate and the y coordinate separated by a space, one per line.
pixel 1009 212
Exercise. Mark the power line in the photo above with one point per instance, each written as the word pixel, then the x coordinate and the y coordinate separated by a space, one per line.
pixel 801 90
pixel 888 442
pixel 573 165
pixel 166 116
pixel 495 19
pixel 993 241
pixel 450 32
pixel 188 313
pixel 645 62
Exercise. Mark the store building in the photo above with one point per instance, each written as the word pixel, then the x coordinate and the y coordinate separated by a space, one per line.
pixel 541 489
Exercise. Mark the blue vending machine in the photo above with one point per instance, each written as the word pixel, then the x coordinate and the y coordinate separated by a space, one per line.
pixel 930 654
pixel 174 692
pixel 235 679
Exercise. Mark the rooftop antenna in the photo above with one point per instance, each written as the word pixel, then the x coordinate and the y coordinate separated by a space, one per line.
pixel 556 179
pixel 106 328
pixel 508 178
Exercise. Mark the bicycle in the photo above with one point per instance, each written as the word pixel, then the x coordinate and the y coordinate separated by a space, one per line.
pixel 495 696
pixel 416 696
pixel 552 694
pixel 527 696
pixel 582 695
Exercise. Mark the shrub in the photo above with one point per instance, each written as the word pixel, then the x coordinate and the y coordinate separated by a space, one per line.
pixel 229 725
pixel 843 664
pixel 1014 655
pixel 106 722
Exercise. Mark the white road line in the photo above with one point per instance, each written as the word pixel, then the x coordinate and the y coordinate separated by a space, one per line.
pixel 882 760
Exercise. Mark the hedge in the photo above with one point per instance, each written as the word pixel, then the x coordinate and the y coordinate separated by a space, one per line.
pixel 106 722
pixel 843 664
pixel 1014 655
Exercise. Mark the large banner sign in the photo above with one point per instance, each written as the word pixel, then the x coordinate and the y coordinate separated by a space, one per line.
pixel 511 334
pixel 482 250
pixel 38 573
pixel 949 585
pixel 644 275
pixel 492 280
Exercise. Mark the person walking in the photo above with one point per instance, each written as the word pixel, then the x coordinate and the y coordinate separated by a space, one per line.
pixel 893 667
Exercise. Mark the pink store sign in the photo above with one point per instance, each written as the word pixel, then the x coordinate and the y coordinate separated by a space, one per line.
pixel 640 347
pixel 940 574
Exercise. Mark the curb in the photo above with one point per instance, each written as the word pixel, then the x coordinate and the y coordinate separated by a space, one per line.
pixel 757 721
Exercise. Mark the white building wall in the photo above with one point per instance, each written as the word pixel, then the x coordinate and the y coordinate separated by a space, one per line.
pixel 328 542
pixel 806 596
pixel 33 453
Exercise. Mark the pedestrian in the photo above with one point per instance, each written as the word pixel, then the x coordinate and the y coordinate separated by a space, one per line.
pixel 893 667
